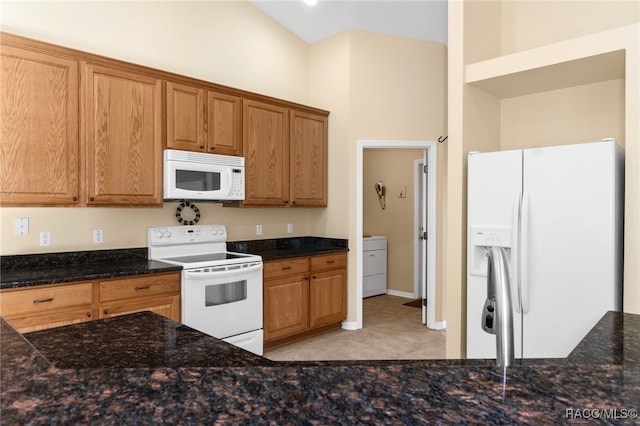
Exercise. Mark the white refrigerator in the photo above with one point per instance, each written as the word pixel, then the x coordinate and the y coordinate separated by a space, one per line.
pixel 558 213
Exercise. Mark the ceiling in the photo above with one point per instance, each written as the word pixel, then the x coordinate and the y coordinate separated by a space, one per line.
pixel 418 19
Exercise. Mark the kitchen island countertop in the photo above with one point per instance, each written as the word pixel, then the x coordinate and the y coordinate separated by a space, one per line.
pixel 103 372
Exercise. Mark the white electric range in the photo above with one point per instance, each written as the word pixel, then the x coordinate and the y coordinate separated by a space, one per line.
pixel 221 290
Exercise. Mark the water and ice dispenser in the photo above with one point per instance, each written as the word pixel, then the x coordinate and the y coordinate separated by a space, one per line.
pixel 490 257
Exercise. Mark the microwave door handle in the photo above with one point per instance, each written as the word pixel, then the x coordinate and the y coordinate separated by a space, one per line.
pixel 221 274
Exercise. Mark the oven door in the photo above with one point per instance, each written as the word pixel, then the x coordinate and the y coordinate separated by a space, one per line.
pixel 223 301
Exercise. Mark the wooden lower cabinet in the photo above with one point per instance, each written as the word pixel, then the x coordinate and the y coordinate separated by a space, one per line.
pixel 157 293
pixel 303 296
pixel 327 298
pixel 166 306
pixel 42 307
pixel 48 306
pixel 286 306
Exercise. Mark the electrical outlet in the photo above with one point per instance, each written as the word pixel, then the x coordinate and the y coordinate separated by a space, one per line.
pixel 45 239
pixel 289 228
pixel 98 236
pixel 258 229
pixel 22 225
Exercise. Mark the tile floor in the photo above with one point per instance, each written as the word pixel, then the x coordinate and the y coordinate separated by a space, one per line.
pixel 391 331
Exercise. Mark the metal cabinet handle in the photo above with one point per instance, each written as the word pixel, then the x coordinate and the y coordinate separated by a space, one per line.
pixel 286 267
pixel 106 312
pixel 143 288
pixel 331 261
pixel 43 300
pixel 88 314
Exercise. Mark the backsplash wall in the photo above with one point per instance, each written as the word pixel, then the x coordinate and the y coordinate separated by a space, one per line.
pixel 72 228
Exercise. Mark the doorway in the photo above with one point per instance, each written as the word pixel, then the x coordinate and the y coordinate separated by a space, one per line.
pixel 427 260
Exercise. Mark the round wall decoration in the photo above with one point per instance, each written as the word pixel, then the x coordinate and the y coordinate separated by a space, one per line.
pixel 187 213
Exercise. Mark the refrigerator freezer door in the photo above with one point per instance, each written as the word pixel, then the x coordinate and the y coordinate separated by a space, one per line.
pixel 494 181
pixel 571 244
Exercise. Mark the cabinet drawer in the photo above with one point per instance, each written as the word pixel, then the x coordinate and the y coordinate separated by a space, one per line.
pixel 148 285
pixel 282 268
pixel 330 261
pixel 45 298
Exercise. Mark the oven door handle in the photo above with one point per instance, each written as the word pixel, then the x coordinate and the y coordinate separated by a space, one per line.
pixel 219 274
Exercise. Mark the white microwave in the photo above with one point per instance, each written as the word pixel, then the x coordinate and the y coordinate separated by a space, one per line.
pixel 198 176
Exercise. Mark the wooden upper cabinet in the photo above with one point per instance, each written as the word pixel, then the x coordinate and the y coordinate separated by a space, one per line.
pixel 266 151
pixel 224 124
pixel 122 113
pixel 39 130
pixel 185 117
pixel 308 175
pixel 203 120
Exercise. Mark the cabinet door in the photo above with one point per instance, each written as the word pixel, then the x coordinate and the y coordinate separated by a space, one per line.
pixel 39 129
pixel 327 297
pixel 224 124
pixel 186 117
pixel 308 174
pixel 166 306
pixel 286 307
pixel 123 137
pixel 266 150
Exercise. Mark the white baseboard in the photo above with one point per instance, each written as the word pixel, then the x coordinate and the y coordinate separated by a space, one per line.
pixel 349 325
pixel 440 325
pixel 404 294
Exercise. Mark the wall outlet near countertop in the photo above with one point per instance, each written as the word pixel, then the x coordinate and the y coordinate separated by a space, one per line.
pixel 289 228
pixel 98 236
pixel 45 239
pixel 258 229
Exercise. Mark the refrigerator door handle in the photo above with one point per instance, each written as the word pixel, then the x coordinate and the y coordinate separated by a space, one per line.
pixel 515 252
pixel 524 259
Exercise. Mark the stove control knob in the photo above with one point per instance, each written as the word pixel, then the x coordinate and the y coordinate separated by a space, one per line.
pixel 167 234
pixel 159 234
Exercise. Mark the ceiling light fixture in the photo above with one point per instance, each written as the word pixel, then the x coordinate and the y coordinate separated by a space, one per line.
pixel 311 2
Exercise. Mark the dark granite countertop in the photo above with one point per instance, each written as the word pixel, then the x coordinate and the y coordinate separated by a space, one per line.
pixel 52 268
pixel 144 369
pixel 284 248
pixel 64 267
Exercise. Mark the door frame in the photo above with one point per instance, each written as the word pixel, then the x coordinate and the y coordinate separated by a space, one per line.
pixel 431 158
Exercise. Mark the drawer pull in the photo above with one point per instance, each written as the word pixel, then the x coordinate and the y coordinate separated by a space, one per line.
pixel 331 261
pixel 43 300
pixel 284 268
pixel 146 287
pixel 106 312
pixel 88 314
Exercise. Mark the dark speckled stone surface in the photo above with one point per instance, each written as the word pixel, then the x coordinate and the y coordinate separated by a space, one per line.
pixel 282 248
pixel 212 388
pixel 166 343
pixel 51 268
